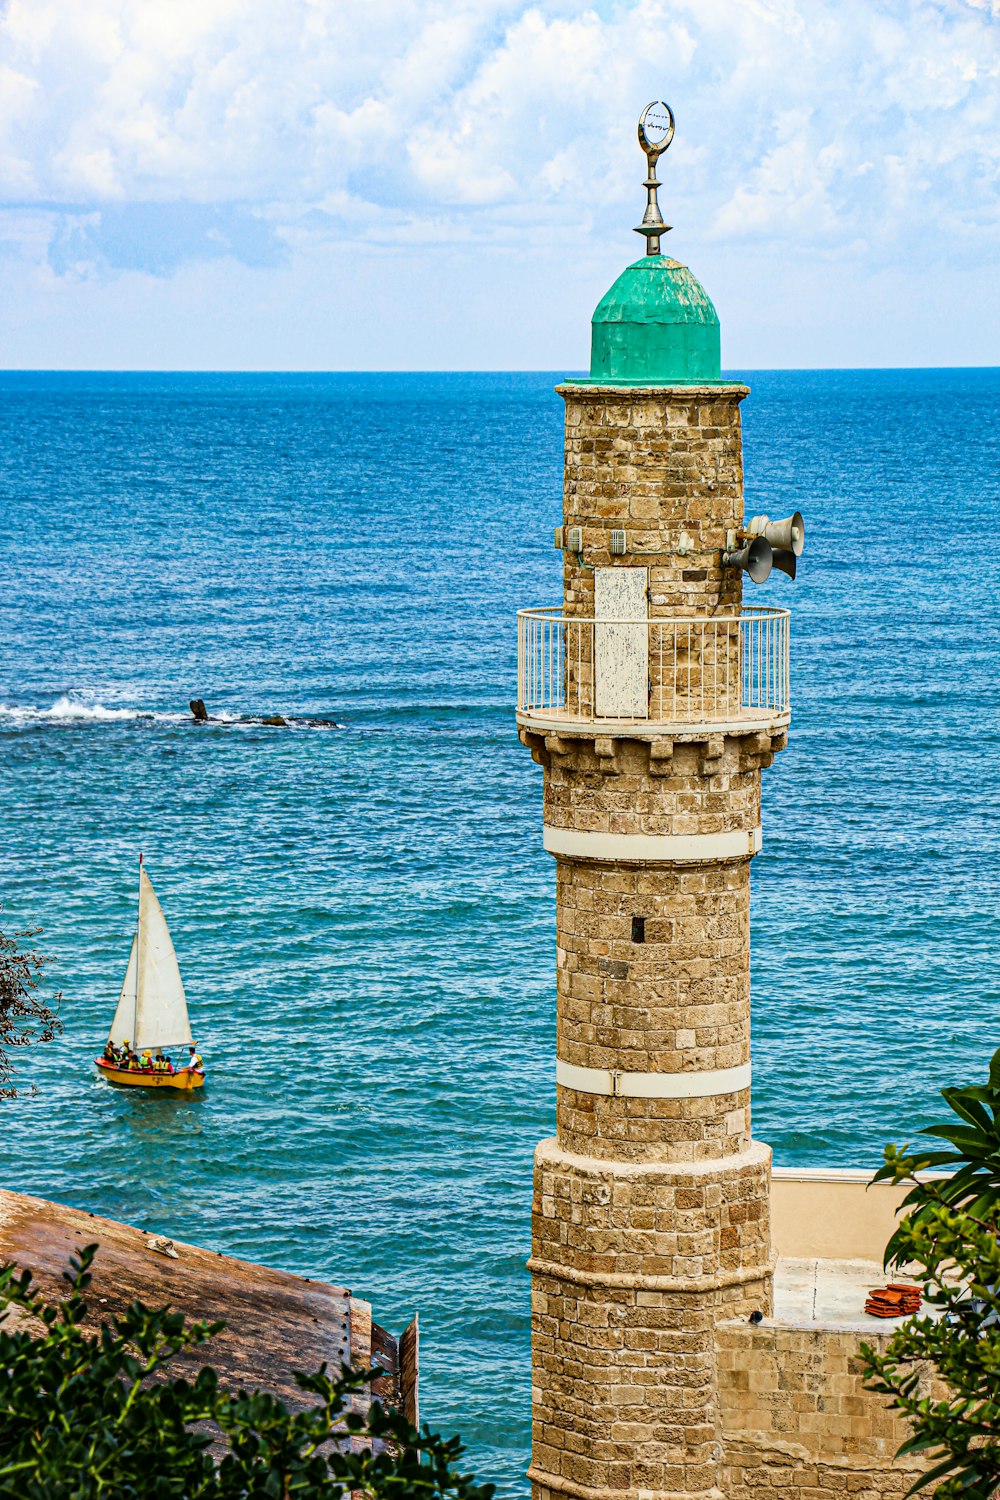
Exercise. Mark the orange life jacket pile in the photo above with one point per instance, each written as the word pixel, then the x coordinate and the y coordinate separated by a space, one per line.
pixel 897 1300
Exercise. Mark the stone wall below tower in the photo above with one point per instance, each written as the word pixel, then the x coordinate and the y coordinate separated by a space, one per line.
pixel 797 1422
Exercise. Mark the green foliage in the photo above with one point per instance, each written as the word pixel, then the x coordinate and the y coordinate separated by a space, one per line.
pixel 98 1416
pixel 23 1017
pixel 942 1370
pixel 973 1160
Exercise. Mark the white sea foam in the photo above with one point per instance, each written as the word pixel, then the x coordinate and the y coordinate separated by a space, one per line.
pixel 73 708
pixel 68 709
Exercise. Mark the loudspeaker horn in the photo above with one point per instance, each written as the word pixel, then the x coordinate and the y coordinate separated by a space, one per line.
pixel 789 535
pixel 784 560
pixel 754 557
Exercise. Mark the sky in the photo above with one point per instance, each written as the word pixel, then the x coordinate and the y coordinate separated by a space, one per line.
pixel 409 185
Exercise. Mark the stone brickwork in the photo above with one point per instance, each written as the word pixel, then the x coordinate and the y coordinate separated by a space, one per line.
pixel 650 1219
pixel 616 785
pixel 796 1420
pixel 677 1001
pixel 661 464
pixel 651 1242
pixel 666 1227
pixel 632 1266
pixel 666 467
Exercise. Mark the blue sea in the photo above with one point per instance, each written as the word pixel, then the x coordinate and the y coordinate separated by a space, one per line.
pixel 364 914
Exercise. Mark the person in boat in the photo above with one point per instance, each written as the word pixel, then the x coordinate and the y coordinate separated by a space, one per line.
pixel 110 1052
pixel 194 1063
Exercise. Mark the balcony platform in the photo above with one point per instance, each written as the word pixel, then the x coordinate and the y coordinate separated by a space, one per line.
pixel 561 722
pixel 655 677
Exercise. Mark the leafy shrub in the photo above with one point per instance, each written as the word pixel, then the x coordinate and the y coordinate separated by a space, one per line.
pixel 24 1018
pixel 943 1372
pixel 100 1415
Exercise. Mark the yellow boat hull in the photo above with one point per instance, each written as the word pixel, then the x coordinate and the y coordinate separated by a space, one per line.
pixel 133 1078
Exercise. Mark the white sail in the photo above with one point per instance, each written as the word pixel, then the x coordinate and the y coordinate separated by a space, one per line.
pixel 161 1014
pixel 121 1026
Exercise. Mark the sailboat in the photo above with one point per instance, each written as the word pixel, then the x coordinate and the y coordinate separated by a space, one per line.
pixel 151 1015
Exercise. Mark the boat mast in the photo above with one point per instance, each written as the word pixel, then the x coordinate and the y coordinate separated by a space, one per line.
pixel 138 941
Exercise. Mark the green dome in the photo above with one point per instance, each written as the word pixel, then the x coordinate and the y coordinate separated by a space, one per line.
pixel 656 326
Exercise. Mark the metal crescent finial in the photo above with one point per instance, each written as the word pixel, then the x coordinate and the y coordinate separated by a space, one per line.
pixel 656 120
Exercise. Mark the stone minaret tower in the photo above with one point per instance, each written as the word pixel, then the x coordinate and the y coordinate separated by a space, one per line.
pixel 652 699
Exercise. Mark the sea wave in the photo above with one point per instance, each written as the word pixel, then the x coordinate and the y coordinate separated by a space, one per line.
pixel 71 709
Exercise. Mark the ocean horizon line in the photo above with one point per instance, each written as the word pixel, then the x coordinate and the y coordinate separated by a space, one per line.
pixel 559 372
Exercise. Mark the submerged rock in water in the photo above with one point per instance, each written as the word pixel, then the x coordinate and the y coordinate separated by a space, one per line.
pixel 275 721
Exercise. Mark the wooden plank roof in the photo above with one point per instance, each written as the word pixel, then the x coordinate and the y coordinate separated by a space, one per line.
pixel 276 1323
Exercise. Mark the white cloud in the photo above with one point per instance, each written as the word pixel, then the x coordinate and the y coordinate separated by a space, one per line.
pixel 273 128
pixel 484 102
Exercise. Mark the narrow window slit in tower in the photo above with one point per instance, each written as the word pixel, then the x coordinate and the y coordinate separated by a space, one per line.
pixel 638 929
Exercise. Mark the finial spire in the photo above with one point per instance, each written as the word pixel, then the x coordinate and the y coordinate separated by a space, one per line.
pixel 656 131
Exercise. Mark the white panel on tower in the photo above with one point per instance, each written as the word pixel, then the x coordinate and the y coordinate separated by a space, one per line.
pixel 621 651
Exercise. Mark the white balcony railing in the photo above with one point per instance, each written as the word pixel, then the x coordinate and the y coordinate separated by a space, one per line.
pixel 674 670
